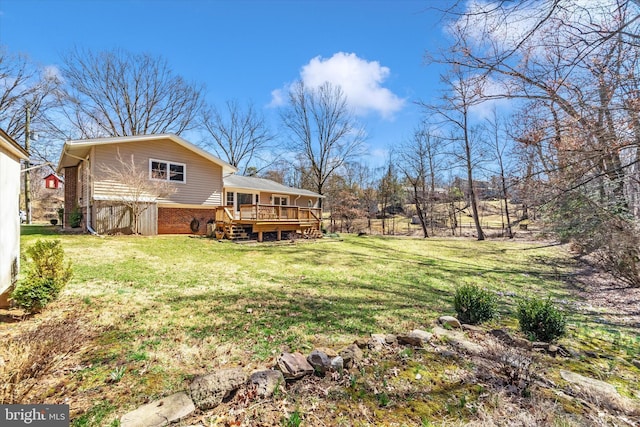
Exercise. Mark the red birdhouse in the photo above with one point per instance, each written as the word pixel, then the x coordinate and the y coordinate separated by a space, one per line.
pixel 51 182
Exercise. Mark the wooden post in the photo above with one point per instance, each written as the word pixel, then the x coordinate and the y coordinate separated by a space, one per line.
pixel 278 235
pixel 259 236
pixel 27 165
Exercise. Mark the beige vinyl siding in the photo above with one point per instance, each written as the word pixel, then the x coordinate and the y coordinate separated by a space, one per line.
pixel 294 200
pixel 203 179
pixel 303 202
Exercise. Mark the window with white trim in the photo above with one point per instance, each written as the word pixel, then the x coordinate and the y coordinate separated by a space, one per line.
pixel 280 200
pixel 167 171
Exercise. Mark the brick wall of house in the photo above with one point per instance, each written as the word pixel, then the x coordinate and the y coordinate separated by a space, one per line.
pixel 70 192
pixel 178 220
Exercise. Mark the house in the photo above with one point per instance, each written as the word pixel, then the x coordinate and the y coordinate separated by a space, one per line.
pixel 205 195
pixel 10 155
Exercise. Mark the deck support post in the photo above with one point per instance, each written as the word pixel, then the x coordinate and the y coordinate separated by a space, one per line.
pixel 278 235
pixel 259 236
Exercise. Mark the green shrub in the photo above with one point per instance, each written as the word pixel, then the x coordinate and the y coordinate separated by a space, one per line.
pixel 75 217
pixel 540 319
pixel 46 276
pixel 475 305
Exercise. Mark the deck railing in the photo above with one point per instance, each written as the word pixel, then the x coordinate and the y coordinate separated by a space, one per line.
pixel 224 214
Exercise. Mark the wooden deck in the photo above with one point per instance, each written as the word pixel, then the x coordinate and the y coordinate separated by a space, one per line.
pixel 262 219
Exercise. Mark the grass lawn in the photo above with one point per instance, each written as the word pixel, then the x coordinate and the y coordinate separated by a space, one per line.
pixel 152 312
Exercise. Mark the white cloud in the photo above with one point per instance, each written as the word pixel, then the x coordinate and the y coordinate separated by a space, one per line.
pixel 277 98
pixel 360 80
pixel 52 72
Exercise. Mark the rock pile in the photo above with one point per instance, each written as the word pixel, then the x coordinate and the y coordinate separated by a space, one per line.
pixel 208 391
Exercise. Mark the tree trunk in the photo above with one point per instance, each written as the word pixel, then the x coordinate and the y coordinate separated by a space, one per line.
pixel 472 193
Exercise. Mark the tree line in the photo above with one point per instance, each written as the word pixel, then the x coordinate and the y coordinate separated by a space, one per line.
pixel 564 141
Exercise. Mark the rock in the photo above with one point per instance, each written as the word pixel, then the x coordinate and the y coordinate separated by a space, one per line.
pixel 328 351
pixel 506 338
pixel 416 338
pixel 352 355
pixel 445 353
pixel 521 343
pixel 449 322
pixel 552 350
pixel 539 344
pixel 377 342
pixel 472 328
pixel 160 412
pixel 361 342
pixel 458 340
pixel 600 392
pixel 294 366
pixel 581 380
pixel 565 351
pixel 319 361
pixel 337 364
pixel 267 381
pixel 208 391
pixel 636 363
pixel 391 339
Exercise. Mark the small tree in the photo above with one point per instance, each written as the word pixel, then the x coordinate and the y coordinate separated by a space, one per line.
pixel 137 190
pixel 347 209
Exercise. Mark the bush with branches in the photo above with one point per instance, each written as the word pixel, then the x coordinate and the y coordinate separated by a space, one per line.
pixel 47 275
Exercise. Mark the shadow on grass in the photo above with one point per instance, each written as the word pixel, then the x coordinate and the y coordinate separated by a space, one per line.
pixel 38 229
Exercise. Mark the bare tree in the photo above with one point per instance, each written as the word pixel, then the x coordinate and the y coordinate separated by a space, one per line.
pixel 577 62
pixel 137 190
pixel 463 91
pixel 24 86
pixel 418 160
pixel 321 130
pixel 499 144
pixel 240 136
pixel 389 193
pixel 118 93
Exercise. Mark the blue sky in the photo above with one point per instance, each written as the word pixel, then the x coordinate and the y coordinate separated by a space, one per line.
pixel 252 50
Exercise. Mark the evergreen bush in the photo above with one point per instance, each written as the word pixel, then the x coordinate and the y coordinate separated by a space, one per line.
pixel 46 276
pixel 540 319
pixel 474 304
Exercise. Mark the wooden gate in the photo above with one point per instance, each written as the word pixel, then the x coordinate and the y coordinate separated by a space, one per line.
pixel 111 218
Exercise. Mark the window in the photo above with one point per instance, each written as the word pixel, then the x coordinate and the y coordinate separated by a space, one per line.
pixel 245 199
pixel 280 200
pixel 167 171
pixel 229 198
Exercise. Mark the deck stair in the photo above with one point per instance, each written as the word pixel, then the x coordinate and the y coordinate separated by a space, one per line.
pixel 312 233
pixel 235 232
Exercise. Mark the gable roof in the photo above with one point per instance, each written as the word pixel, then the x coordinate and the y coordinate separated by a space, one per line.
pixel 79 149
pixel 261 184
pixel 9 144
